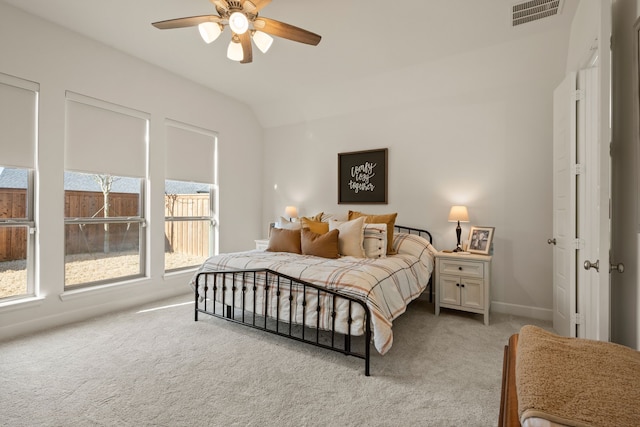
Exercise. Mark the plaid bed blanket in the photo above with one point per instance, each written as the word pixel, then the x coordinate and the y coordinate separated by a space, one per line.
pixel 386 285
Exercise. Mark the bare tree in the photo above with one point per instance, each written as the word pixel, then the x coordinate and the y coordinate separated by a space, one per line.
pixel 105 182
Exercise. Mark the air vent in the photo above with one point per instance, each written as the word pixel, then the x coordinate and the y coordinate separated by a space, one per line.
pixel 534 10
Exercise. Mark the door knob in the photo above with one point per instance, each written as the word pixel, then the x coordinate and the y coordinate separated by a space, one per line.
pixel 617 267
pixel 589 264
pixel 551 241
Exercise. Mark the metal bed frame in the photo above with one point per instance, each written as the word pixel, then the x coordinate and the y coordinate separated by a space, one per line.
pixel 289 288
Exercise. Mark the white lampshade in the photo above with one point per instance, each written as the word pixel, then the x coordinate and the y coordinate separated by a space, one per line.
pixel 238 22
pixel 209 31
pixel 458 213
pixel 234 51
pixel 291 211
pixel 262 40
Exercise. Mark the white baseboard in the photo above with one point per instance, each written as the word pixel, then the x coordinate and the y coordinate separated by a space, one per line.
pixel 522 310
pixel 42 322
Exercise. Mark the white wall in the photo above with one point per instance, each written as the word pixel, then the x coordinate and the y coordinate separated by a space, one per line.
pixel 477 130
pixel 625 288
pixel 60 60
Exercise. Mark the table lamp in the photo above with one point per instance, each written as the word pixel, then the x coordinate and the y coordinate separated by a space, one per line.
pixel 291 212
pixel 458 214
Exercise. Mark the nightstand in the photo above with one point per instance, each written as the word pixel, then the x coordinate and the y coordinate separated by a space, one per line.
pixel 463 283
pixel 261 244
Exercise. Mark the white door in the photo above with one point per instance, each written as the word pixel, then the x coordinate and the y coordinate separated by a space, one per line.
pixel 594 225
pixel 564 207
pixel 582 228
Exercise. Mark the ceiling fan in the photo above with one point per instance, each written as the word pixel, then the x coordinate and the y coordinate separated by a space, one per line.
pixel 242 18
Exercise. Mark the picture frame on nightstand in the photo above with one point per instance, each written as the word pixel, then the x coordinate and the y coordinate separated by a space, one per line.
pixel 480 239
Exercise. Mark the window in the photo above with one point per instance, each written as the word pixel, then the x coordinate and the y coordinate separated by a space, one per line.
pixel 188 224
pixel 190 196
pixel 104 229
pixel 16 232
pixel 104 183
pixel 18 134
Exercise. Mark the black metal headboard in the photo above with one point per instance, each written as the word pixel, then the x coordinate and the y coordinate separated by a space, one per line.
pixel 420 232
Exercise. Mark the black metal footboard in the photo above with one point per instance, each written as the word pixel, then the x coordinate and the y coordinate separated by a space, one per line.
pixel 273 302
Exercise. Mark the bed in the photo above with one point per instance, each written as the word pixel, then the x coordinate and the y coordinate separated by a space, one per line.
pixel 549 380
pixel 341 304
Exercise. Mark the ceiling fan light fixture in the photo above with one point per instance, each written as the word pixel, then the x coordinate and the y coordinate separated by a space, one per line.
pixel 238 22
pixel 262 40
pixel 234 51
pixel 209 31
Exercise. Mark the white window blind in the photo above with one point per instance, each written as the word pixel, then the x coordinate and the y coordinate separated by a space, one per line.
pixel 105 138
pixel 18 122
pixel 190 153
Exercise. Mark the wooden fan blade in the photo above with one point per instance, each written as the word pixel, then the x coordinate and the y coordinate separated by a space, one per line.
pixel 191 21
pixel 222 4
pixel 254 6
pixel 245 41
pixel 286 31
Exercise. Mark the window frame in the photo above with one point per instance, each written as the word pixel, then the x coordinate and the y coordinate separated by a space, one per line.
pixel 29 223
pixel 211 218
pixel 142 238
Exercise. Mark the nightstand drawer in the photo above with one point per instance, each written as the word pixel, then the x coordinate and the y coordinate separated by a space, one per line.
pixel 462 268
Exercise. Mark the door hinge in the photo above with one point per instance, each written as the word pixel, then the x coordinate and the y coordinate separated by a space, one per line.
pixel 578 95
pixel 577 169
pixel 577 318
pixel 578 243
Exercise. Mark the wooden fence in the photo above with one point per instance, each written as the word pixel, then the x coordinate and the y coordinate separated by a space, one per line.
pixel 180 236
pixel 186 236
pixel 13 240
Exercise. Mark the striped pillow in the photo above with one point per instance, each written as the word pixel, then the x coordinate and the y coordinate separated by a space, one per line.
pixel 375 240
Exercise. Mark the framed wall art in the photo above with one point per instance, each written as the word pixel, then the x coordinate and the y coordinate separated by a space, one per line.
pixel 362 176
pixel 480 239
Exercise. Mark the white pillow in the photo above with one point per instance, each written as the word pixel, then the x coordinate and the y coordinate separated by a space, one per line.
pixel 375 240
pixel 288 225
pixel 350 237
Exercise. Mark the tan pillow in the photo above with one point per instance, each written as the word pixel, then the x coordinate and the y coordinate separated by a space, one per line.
pixel 316 217
pixel 389 219
pixel 315 226
pixel 283 240
pixel 350 236
pixel 321 245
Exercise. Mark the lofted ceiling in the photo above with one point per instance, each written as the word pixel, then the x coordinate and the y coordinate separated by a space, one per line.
pixel 361 40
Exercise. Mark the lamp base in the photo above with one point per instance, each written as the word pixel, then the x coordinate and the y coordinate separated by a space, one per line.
pixel 458 249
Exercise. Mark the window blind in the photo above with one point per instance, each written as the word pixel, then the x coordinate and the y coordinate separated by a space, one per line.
pixel 105 138
pixel 190 153
pixel 18 122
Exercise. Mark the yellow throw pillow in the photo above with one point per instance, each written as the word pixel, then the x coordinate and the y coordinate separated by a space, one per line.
pixel 283 240
pixel 389 219
pixel 315 226
pixel 321 245
pixel 316 217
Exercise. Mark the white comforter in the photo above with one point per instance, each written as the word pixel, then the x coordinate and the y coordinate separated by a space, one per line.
pixel 386 285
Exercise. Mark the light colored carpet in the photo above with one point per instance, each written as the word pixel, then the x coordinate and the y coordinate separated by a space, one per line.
pixel 155 366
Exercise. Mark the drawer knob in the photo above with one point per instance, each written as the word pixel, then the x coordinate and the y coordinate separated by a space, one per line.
pixel 460 268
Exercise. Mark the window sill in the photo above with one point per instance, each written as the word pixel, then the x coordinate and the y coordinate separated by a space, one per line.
pixel 100 289
pixel 186 272
pixel 21 303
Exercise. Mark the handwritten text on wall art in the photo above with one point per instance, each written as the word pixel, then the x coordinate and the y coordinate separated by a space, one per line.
pixel 362 176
